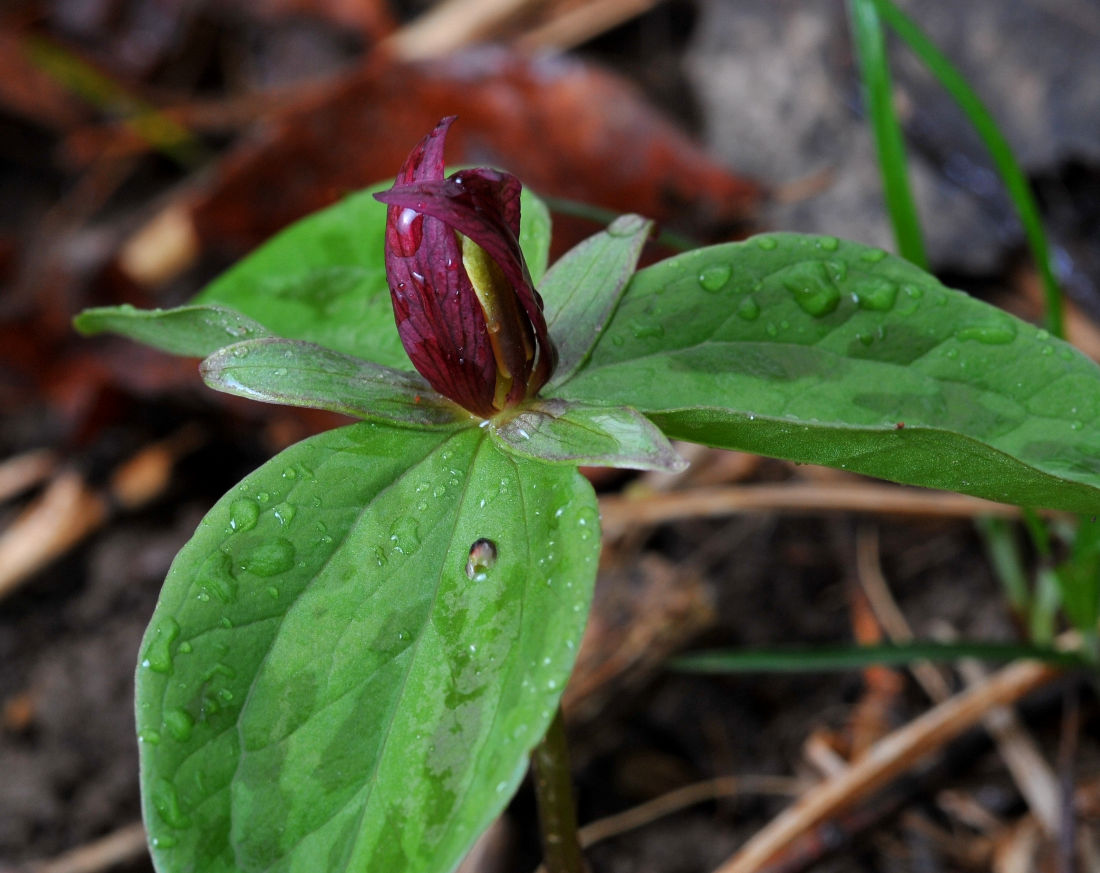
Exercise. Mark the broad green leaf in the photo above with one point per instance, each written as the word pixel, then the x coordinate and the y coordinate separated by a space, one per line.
pixel 296 373
pixel 323 279
pixel 834 353
pixel 341 674
pixel 584 286
pixel 574 433
pixel 194 331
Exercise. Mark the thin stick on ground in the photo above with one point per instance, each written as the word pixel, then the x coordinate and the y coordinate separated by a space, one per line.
pixel 888 758
pixel 618 512
pixel 124 845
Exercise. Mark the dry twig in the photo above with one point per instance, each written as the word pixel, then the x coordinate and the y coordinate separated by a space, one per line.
pixel 887 759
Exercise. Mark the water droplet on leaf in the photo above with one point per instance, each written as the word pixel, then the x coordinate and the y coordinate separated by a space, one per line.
pixel 158 655
pixel 876 294
pixel 766 243
pixel 993 333
pixel 715 277
pixel 749 309
pixel 482 557
pixel 179 724
pixel 243 514
pixel 269 558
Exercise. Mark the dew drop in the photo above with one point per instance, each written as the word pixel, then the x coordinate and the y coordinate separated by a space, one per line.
pixel 828 243
pixel 179 724
pixel 285 513
pixel 876 294
pixel 617 340
pixel 872 256
pixel 482 558
pixel 243 514
pixel 647 329
pixel 405 535
pixel 993 333
pixel 158 655
pixel 269 558
pixel 1076 425
pixel 215 577
pixel 279 372
pixel 766 243
pixel 165 841
pixel 812 287
pixel 167 804
pixel 749 309
pixel 272 592
pixel 240 351
pixel 150 737
pixel 714 278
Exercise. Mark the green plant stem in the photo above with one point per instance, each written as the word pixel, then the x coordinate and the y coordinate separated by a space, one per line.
pixel 1015 181
pixel 878 94
pixel 557 813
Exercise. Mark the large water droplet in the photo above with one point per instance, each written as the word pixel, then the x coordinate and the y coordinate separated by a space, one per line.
pixel 749 309
pixel 812 287
pixel 179 724
pixel 992 333
pixel 167 804
pixel 715 277
pixel 285 513
pixel 647 329
pixel 158 655
pixel 243 514
pixel 482 557
pixel 876 294
pixel 215 577
pixel 405 535
pixel 269 558
pixel 828 243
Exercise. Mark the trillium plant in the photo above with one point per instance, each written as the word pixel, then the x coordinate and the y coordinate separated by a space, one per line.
pixel 363 645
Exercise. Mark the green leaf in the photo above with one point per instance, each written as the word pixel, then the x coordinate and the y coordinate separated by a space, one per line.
pixel 1011 173
pixel 323 279
pixel 834 353
pixel 341 674
pixel 296 373
pixel 1079 578
pixel 194 331
pixel 856 657
pixel 583 288
pixel 878 95
pixel 573 433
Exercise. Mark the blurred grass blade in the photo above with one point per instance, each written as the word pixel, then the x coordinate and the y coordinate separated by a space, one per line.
pixel 1018 188
pixel 875 72
pixel 602 216
pixel 855 657
pixel 81 78
pixel 1008 565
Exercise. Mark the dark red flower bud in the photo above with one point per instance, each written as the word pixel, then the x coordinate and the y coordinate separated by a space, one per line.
pixel 467 312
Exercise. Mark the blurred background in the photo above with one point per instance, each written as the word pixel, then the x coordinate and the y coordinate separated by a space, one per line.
pixel 147 144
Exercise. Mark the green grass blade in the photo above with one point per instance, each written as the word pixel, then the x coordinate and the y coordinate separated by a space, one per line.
pixel 874 68
pixel 856 657
pixel 1018 188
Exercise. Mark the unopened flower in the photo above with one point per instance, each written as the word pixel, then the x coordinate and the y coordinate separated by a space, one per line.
pixel 466 310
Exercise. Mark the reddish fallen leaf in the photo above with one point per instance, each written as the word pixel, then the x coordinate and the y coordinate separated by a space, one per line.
pixel 565 128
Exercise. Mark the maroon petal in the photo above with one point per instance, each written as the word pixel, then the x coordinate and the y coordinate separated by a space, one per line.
pixel 484 205
pixel 436 310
